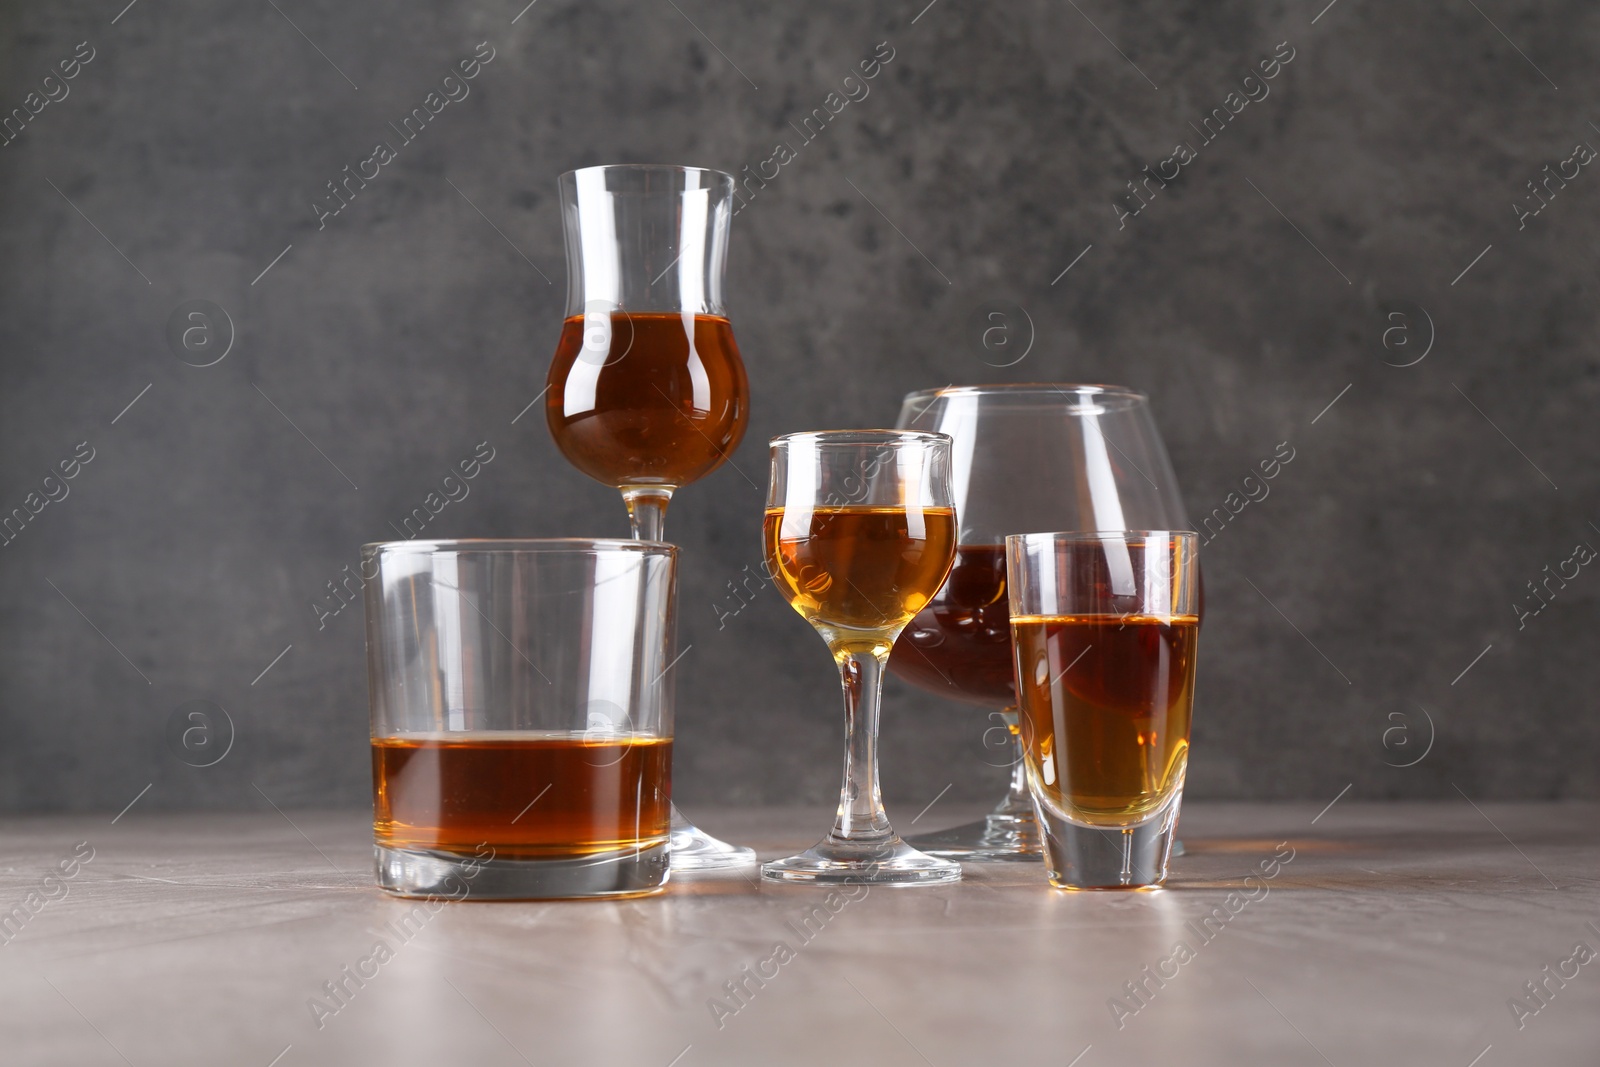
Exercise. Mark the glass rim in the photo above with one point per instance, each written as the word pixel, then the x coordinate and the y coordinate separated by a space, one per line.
pixel 677 168
pixel 1093 389
pixel 1102 536
pixel 589 546
pixel 862 437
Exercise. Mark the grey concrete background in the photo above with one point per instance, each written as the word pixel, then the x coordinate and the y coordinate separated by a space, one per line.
pixel 1246 297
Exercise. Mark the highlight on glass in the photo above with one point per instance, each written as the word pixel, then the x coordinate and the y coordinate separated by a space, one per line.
pixel 521 704
pixel 859 534
pixel 1105 629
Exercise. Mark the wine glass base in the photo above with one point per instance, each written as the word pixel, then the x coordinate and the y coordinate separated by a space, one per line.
pixel 996 836
pixel 834 862
pixel 695 850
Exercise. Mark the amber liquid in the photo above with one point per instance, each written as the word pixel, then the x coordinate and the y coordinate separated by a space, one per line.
pixel 455 792
pixel 661 400
pixel 1105 710
pixel 859 568
pixel 959 644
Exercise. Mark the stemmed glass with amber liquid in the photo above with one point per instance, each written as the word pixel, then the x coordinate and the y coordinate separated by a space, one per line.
pixel 1026 457
pixel 647 392
pixel 859 535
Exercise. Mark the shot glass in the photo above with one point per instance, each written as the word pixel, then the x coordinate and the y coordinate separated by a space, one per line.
pixel 1104 629
pixel 521 716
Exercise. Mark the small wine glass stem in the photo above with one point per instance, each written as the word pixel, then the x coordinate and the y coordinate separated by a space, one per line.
pixel 647 510
pixel 1017 801
pixel 861 816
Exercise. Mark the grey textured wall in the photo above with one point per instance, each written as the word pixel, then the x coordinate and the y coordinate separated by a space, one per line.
pixel 1313 245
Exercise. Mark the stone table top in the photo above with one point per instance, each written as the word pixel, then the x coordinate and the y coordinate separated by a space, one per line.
pixel 1386 933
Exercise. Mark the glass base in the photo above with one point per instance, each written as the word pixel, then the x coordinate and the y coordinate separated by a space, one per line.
pixel 997 836
pixel 835 862
pixel 628 872
pixel 695 850
pixel 1079 856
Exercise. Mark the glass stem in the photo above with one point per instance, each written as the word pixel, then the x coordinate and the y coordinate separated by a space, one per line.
pixel 647 510
pixel 1017 801
pixel 861 817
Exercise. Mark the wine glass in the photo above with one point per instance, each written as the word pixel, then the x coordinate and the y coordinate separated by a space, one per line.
pixel 1025 458
pixel 859 534
pixel 647 391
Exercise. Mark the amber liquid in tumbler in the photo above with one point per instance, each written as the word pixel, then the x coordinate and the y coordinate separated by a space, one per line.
pixel 528 795
pixel 647 398
pixel 862 569
pixel 959 644
pixel 1105 710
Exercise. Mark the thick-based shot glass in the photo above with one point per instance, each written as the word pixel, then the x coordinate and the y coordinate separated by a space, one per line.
pixel 1104 629
pixel 521 716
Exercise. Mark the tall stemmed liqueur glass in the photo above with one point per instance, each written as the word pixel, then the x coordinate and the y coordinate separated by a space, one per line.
pixel 1025 458
pixel 647 392
pixel 859 534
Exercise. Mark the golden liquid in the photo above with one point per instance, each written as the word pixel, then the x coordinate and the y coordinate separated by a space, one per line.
pixel 1105 703
pixel 527 794
pixel 662 399
pixel 861 569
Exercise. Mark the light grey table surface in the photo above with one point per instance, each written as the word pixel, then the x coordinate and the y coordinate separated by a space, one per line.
pixel 1396 934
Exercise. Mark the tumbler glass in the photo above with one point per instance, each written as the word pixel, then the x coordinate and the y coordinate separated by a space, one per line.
pixel 521 716
pixel 1104 629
